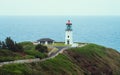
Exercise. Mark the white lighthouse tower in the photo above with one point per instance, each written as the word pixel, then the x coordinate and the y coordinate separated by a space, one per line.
pixel 68 33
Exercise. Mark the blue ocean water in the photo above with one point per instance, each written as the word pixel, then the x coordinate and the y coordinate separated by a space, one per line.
pixel 103 30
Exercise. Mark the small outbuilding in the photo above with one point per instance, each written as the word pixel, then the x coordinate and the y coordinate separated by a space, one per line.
pixel 45 41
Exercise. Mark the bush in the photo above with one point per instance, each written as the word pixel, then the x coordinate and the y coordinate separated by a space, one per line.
pixel 41 48
pixel 36 53
pixel 27 45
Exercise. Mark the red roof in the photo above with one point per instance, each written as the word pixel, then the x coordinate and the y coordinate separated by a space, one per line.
pixel 68 23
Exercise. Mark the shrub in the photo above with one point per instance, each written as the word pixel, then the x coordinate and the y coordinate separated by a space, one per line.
pixel 35 53
pixel 27 45
pixel 41 48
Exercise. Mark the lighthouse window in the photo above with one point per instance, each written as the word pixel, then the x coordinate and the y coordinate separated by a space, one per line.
pixel 68 36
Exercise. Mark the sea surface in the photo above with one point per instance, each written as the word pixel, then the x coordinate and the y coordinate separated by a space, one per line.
pixel 103 30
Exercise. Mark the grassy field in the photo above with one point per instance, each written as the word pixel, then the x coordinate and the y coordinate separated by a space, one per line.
pixel 59 44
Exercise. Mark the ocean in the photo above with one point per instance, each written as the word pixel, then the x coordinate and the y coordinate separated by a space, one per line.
pixel 103 30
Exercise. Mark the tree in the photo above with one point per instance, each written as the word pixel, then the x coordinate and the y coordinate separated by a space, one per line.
pixel 11 45
pixel 18 47
pixel 0 44
pixel 3 46
pixel 41 48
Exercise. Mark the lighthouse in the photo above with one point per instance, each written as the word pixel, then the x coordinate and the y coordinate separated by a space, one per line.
pixel 68 33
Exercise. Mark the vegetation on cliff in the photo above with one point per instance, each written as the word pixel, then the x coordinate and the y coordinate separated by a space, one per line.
pixel 10 50
pixel 88 60
pixel 9 44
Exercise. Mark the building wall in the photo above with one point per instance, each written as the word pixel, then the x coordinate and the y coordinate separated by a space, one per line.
pixel 68 37
pixel 46 42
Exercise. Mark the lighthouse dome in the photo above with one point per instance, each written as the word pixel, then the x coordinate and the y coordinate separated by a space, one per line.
pixel 68 23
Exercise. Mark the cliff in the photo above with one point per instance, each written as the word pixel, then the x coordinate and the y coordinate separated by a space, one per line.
pixel 91 59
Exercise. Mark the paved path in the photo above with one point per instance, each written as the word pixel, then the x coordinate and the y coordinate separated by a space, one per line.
pixel 60 50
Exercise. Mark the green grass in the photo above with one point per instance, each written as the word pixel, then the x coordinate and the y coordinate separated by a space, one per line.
pixel 59 44
pixel 35 54
pixel 29 49
pixel 15 69
pixel 29 52
pixel 90 49
pixel 7 55
pixel 97 58
pixel 91 59
pixel 28 45
pixel 61 65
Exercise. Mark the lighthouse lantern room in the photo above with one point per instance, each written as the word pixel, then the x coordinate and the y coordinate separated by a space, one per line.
pixel 68 33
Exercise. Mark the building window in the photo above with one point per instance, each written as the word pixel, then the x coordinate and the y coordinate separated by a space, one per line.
pixel 68 36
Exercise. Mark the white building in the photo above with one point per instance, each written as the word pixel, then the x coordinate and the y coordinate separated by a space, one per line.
pixel 68 33
pixel 45 41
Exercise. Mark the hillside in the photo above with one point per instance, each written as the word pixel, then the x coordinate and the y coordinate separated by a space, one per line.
pixel 88 60
pixel 28 51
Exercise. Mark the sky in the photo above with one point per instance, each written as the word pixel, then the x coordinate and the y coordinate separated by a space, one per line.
pixel 59 7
